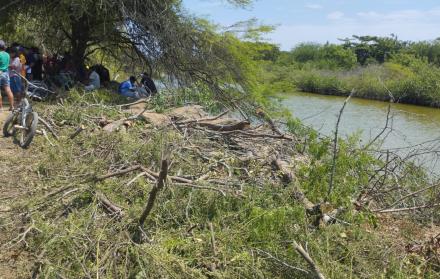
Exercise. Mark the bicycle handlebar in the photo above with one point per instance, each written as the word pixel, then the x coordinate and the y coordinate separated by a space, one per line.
pixel 33 85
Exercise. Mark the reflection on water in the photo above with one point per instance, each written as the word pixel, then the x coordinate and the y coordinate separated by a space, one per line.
pixel 411 125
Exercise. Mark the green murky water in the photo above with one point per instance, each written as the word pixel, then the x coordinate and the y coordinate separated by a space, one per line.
pixel 413 128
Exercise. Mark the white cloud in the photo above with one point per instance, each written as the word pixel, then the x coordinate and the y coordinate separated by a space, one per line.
pixel 413 25
pixel 314 6
pixel 401 15
pixel 290 35
pixel 335 15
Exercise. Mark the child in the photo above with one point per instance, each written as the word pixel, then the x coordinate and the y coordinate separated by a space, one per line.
pixel 4 76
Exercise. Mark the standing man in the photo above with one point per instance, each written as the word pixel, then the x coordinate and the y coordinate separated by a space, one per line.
pixel 4 76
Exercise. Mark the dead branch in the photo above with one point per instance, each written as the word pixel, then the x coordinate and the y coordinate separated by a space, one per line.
pixel 258 135
pixel 108 205
pixel 49 127
pixel 136 178
pixel 118 173
pixel 77 132
pixel 153 194
pixel 335 147
pixel 186 122
pixel 141 101
pixel 281 262
pixel 173 178
pixel 213 244
pixel 383 130
pixel 22 237
pixel 272 125
pixel 225 128
pixel 411 195
pixel 286 175
pixel 308 259
pixel 398 210
pixel 184 182
pixel 47 138
pixel 222 192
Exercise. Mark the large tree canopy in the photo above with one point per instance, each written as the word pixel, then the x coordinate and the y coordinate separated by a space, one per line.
pixel 157 33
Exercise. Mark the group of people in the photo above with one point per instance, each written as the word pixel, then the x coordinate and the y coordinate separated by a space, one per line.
pixel 17 63
pixel 130 88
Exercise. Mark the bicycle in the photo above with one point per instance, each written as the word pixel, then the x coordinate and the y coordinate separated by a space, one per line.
pixel 22 122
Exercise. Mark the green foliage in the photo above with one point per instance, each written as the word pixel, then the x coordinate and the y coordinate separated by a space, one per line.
pixel 253 225
pixel 327 56
pixel 372 66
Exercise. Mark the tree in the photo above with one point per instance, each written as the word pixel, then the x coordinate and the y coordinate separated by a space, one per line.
pixel 158 33
pixel 373 47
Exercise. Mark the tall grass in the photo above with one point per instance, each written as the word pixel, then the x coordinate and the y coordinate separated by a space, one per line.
pixel 419 85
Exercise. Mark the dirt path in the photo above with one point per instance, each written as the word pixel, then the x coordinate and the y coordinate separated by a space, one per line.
pixel 13 261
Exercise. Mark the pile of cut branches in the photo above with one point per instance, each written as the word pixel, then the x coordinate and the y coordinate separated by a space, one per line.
pixel 124 191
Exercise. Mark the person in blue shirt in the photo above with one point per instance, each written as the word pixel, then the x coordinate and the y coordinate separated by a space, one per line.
pixel 128 88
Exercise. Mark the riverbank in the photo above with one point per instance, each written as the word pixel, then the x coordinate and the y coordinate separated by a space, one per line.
pixel 238 201
pixel 418 86
pixel 377 68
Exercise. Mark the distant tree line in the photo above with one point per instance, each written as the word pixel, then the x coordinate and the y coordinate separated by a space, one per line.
pixel 354 51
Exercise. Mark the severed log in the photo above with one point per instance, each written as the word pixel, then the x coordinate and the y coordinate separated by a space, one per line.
pixel 225 128
pixel 309 260
pixel 286 174
pixel 108 205
pixel 186 122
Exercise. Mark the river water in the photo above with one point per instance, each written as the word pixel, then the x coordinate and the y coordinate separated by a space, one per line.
pixel 412 127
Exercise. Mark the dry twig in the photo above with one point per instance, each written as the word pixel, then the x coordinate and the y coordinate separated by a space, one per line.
pixel 309 260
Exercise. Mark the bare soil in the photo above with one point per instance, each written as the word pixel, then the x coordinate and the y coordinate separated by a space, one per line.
pixel 14 262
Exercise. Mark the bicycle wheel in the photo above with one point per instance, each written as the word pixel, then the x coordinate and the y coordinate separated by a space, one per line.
pixel 10 122
pixel 27 135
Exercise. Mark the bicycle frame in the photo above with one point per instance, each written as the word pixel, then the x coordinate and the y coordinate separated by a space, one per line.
pixel 24 109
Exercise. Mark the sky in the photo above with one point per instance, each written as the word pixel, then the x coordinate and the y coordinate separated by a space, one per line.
pixel 324 21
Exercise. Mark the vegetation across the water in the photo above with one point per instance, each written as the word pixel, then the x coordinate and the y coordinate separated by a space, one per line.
pixel 374 66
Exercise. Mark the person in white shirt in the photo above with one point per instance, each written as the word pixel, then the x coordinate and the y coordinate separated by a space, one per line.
pixel 94 81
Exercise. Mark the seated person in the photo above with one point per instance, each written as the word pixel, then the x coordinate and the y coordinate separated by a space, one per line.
pixel 148 86
pixel 94 80
pixel 128 88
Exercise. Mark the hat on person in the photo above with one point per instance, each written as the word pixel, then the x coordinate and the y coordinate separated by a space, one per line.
pixel 2 44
